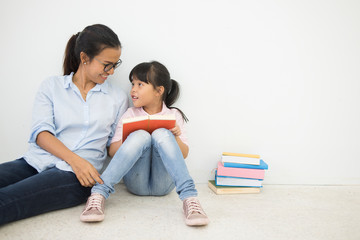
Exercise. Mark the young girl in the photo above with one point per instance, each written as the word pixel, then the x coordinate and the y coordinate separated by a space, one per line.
pixel 151 164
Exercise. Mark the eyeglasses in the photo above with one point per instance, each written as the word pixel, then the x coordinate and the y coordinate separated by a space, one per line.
pixel 109 66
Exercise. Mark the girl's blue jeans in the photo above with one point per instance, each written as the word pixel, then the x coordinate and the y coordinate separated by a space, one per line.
pixel 25 193
pixel 151 165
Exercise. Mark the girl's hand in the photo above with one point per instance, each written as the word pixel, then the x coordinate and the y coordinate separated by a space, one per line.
pixel 183 147
pixel 176 131
pixel 85 172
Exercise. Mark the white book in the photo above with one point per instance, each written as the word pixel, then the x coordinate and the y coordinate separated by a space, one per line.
pixel 242 160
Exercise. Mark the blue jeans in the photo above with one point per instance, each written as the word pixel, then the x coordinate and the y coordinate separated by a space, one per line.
pixel 151 165
pixel 25 193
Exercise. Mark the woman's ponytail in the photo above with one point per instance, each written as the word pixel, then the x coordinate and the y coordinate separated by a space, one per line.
pixel 71 61
pixel 92 40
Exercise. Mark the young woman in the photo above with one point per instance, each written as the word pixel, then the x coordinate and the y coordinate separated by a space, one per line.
pixel 74 119
pixel 151 164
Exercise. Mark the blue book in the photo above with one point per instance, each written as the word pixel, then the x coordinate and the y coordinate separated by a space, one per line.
pixel 236 181
pixel 263 165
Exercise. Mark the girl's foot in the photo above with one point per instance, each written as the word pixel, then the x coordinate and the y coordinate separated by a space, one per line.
pixel 94 209
pixel 194 214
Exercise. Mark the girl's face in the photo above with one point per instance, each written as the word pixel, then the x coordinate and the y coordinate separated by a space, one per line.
pixel 145 95
pixel 95 69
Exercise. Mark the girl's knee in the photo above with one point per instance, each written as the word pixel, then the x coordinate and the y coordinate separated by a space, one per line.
pixel 159 134
pixel 140 136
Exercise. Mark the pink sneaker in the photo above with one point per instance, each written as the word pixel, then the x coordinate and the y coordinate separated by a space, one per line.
pixel 194 214
pixel 94 209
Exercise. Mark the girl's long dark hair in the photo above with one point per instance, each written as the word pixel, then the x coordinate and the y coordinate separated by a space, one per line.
pixel 157 74
pixel 92 40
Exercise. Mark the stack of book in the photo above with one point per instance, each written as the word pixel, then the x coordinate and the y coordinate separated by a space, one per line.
pixel 238 173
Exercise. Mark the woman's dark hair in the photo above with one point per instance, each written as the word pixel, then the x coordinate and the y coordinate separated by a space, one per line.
pixel 156 74
pixel 92 40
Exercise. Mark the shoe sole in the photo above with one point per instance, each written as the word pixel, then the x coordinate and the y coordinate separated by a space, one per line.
pixel 197 222
pixel 92 218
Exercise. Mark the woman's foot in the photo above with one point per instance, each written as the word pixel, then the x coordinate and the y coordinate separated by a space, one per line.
pixel 194 214
pixel 94 209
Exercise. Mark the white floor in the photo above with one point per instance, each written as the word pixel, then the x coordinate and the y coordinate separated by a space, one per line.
pixel 278 212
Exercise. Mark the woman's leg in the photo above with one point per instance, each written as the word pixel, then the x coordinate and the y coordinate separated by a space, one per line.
pixel 14 171
pixel 49 190
pixel 136 144
pixel 164 143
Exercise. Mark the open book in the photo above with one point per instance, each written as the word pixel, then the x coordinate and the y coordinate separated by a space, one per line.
pixel 148 123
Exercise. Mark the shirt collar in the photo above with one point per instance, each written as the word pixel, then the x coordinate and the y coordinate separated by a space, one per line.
pixel 68 80
pixel 164 110
pixel 98 87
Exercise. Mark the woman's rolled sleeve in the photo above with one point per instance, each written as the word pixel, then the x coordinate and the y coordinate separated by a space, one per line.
pixel 43 113
pixel 35 132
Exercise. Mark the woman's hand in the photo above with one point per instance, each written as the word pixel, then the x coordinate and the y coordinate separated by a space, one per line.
pixel 85 172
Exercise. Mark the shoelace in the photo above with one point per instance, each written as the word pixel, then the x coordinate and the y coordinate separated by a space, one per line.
pixel 193 206
pixel 94 202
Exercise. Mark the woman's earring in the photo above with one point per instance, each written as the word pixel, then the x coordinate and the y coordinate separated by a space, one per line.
pixel 84 62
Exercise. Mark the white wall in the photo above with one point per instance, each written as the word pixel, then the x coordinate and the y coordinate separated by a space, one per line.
pixel 276 78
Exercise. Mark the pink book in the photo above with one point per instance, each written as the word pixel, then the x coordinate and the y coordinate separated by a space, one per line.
pixel 240 172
